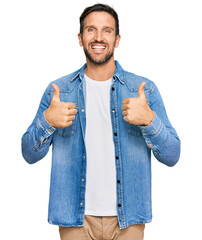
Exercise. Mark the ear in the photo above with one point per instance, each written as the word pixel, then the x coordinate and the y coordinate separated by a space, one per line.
pixel 80 39
pixel 118 38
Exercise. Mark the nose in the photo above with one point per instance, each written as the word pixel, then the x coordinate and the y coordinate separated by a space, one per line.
pixel 99 36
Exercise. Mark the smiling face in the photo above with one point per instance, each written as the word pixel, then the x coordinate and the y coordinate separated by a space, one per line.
pixel 99 37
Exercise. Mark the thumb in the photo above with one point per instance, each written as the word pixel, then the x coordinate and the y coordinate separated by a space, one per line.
pixel 56 94
pixel 141 89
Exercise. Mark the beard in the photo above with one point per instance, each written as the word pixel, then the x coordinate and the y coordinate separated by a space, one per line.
pixel 100 61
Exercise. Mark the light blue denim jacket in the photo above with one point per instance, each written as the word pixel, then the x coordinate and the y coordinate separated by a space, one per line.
pixel 132 145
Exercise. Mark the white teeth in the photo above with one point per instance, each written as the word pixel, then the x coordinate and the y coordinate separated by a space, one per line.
pixel 98 47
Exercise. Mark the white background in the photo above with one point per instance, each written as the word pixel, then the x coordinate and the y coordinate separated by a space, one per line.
pixel 162 41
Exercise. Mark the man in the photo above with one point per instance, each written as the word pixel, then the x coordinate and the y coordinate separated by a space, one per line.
pixel 103 122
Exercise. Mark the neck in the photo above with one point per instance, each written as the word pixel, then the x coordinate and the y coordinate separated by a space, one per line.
pixel 100 72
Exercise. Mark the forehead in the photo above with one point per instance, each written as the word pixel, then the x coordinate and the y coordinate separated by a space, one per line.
pixel 99 19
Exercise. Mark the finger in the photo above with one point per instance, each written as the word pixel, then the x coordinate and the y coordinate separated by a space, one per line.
pixel 69 123
pixel 141 89
pixel 126 100
pixel 72 111
pixel 69 118
pixel 56 94
pixel 124 113
pixel 70 105
pixel 125 106
pixel 125 118
pixel 72 117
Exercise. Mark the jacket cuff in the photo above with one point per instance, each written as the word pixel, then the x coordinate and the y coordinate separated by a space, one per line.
pixel 153 128
pixel 44 126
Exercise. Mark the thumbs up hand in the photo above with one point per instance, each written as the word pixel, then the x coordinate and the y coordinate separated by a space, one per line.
pixel 59 114
pixel 136 110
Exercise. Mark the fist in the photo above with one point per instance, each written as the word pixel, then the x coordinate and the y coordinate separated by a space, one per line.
pixel 59 114
pixel 136 110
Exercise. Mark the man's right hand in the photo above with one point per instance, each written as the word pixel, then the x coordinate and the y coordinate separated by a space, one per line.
pixel 59 114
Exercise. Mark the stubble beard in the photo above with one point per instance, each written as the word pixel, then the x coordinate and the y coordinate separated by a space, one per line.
pixel 107 57
pixel 98 62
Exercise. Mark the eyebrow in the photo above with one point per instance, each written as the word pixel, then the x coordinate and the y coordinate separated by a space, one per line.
pixel 103 27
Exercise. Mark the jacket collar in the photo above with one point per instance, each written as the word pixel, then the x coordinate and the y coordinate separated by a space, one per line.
pixel 119 73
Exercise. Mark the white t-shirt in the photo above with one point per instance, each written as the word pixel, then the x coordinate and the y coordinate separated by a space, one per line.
pixel 101 170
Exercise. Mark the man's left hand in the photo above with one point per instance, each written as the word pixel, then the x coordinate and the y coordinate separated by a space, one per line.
pixel 136 110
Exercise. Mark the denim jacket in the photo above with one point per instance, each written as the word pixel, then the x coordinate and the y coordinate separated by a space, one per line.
pixel 132 146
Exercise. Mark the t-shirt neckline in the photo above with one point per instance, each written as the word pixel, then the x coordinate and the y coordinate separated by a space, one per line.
pixel 95 82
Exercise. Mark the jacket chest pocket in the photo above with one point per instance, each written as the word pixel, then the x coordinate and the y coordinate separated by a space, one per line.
pixel 70 130
pixel 133 129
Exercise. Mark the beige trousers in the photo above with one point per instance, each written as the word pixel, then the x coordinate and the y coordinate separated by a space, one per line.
pixel 102 228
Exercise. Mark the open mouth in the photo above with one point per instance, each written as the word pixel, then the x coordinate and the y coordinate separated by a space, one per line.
pixel 98 46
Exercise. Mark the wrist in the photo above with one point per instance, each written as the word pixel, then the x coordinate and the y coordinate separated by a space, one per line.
pixel 46 116
pixel 150 118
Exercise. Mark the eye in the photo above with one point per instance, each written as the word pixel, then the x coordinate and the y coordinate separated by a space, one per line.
pixel 91 29
pixel 107 31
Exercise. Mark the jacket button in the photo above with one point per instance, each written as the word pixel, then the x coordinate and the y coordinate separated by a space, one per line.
pixel 49 130
pixel 82 110
pixel 113 88
pixel 117 157
pixel 82 180
pixel 81 204
pixel 119 205
pixel 118 181
pixel 150 145
pixel 115 134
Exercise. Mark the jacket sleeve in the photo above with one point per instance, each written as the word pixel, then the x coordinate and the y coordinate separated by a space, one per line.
pixel 37 139
pixel 159 135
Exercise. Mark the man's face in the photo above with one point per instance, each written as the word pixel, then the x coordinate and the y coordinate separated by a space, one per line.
pixel 99 38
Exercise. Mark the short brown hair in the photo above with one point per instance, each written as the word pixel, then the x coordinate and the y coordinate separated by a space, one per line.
pixel 99 8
